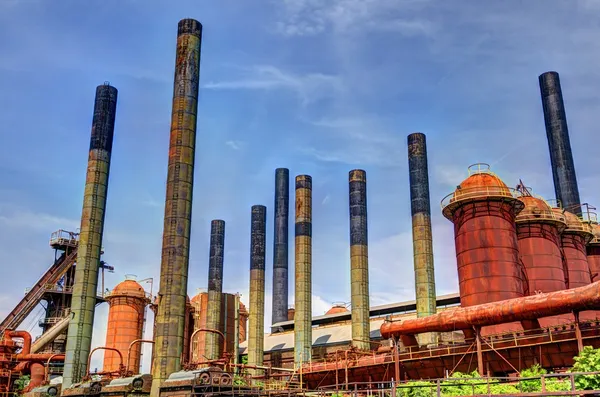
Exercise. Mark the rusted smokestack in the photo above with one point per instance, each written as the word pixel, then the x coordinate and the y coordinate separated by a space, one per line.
pixel 256 319
pixel 215 288
pixel 83 302
pixel 280 245
pixel 359 260
pixel 303 259
pixel 171 312
pixel 420 210
pixel 561 157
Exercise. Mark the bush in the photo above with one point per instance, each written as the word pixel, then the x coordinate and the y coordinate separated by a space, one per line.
pixel 532 385
pixel 416 389
pixel 587 361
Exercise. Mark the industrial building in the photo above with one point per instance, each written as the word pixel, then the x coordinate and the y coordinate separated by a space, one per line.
pixel 527 269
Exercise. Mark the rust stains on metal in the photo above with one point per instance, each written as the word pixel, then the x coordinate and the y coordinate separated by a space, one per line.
pixel 359 259
pixel 538 234
pixel 420 209
pixel 83 303
pixel 256 317
pixel 127 304
pixel 215 287
pixel 303 268
pixel 518 309
pixel 280 245
pixel 483 211
pixel 574 240
pixel 171 313
pixel 593 253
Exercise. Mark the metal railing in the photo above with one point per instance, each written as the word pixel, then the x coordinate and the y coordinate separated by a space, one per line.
pixel 64 238
pixel 478 193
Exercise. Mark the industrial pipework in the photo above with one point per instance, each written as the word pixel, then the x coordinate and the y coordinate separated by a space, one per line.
pixel 420 209
pixel 85 286
pixel 256 319
pixel 215 288
pixel 171 312
pixel 561 157
pixel 280 245
pixel 359 259
pixel 593 253
pixel 303 269
pixel 518 309
pixel 483 211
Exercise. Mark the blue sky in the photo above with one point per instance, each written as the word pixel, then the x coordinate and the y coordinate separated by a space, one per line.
pixel 317 86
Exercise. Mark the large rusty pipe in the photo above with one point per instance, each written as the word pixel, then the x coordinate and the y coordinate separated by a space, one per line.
pixel 359 259
pixel 557 132
pixel 26 336
pixel 215 287
pixel 501 312
pixel 83 301
pixel 303 269
pixel 280 246
pixel 171 312
pixel 420 209
pixel 256 317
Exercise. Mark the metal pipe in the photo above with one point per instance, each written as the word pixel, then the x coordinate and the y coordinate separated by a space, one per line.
pixel 359 259
pixel 47 367
pixel 26 336
pixel 89 360
pixel 501 312
pixel 420 209
pixel 48 336
pixel 172 295
pixel 83 301
pixel 557 132
pixel 236 332
pixel 131 345
pixel 212 331
pixel 257 286
pixel 280 245
pixel 215 287
pixel 303 269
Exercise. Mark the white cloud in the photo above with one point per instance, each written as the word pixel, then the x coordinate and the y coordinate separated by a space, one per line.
pixel 235 145
pixel 308 87
pixel 23 218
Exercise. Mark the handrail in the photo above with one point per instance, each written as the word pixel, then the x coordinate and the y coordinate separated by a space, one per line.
pixel 478 192
pixel 131 345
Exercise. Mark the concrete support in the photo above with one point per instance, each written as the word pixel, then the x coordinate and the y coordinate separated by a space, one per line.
pixel 303 261
pixel 256 318
pixel 359 260
pixel 421 230
pixel 83 303
pixel 215 288
pixel 172 294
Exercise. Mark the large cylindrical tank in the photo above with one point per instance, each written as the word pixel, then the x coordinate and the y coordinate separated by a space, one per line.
pixel 483 211
pixel 538 233
pixel 127 303
pixel 593 253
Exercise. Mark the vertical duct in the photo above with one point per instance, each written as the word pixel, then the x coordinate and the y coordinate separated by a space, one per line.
pixel 420 209
pixel 256 320
pixel 303 262
pixel 561 157
pixel 79 336
pixel 172 294
pixel 359 260
pixel 236 334
pixel 215 288
pixel 280 245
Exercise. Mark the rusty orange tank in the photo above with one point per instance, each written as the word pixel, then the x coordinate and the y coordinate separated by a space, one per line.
pixel 338 308
pixel 538 234
pixel 593 253
pixel 291 313
pixel 199 303
pixel 483 211
pixel 127 304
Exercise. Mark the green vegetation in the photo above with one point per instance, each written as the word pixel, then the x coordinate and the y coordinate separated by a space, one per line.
pixel 21 383
pixel 471 384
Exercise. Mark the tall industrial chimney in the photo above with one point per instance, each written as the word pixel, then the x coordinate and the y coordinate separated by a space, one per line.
pixel 79 336
pixel 303 260
pixel 215 288
pixel 561 157
pixel 172 294
pixel 420 210
pixel 256 319
pixel 359 260
pixel 280 245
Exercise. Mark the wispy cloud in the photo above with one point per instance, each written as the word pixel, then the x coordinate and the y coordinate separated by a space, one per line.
pixel 15 217
pixel 311 17
pixel 308 87
pixel 235 145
